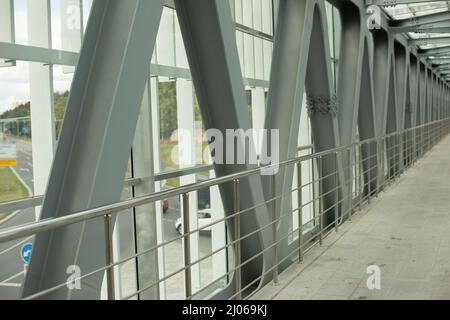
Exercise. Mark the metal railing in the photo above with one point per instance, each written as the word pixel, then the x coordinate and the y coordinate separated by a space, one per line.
pixel 31 202
pixel 346 178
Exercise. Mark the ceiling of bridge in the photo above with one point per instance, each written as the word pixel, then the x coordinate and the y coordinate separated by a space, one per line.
pixel 418 9
pixel 404 11
pixel 423 22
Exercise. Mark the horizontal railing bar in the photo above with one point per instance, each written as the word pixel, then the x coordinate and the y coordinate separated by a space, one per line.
pixel 399 167
pixel 41 226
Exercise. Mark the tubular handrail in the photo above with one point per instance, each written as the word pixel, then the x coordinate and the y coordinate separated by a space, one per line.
pixel 89 214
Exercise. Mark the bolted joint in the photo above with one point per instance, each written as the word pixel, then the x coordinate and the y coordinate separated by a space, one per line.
pixel 322 105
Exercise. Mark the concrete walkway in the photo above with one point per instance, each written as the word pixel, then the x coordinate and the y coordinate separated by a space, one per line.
pixel 405 232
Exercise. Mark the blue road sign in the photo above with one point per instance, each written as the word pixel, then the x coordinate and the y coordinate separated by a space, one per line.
pixel 25 252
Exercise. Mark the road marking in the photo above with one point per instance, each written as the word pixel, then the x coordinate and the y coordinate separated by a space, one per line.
pixel 24 169
pixel 13 277
pixel 30 193
pixel 10 285
pixel 16 245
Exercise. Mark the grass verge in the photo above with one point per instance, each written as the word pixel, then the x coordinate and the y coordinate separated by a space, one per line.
pixel 10 188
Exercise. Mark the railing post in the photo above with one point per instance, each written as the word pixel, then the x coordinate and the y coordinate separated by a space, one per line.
pixel 421 142
pixel 274 229
pixel 109 256
pixel 378 142
pixel 391 173
pixel 369 172
pixel 336 193
pixel 187 247
pixel 350 185
pixel 361 177
pixel 321 205
pixel 237 238
pixel 383 163
pixel 300 211
pixel 314 191
pixel 396 156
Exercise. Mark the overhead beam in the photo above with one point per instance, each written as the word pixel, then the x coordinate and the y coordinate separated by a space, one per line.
pixel 439 60
pixel 437 27
pixel 420 29
pixel 426 41
pixel 439 67
pixel 421 20
pixel 434 52
pixel 395 2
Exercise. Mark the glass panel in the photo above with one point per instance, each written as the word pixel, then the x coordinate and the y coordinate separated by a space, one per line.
pixel 166 39
pixel 249 56
pixel 20 21
pixel 16 163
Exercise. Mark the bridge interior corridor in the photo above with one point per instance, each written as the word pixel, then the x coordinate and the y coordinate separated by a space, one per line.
pixel 404 233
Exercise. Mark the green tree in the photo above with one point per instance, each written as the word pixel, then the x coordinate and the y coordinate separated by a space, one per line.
pixel 167 108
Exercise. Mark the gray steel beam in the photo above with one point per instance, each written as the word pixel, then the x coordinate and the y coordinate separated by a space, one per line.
pixel 95 143
pixel 421 29
pixel 439 60
pixel 14 52
pixel 414 93
pixel 438 55
pixel 402 78
pixel 429 41
pixel 391 117
pixel 437 27
pixel 402 94
pixel 418 21
pixel 355 88
pixel 366 122
pixel 441 67
pixel 395 2
pixel 381 77
pixel 423 92
pixel 301 62
pixel 210 40
pixel 381 83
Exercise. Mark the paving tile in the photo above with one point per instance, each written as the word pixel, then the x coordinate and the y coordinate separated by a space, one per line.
pixel 404 232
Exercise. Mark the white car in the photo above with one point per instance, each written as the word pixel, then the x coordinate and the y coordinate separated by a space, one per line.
pixel 204 218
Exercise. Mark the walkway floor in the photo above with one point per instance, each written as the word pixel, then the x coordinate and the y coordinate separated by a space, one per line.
pixel 405 232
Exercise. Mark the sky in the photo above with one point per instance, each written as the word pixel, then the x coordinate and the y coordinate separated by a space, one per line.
pixel 14 83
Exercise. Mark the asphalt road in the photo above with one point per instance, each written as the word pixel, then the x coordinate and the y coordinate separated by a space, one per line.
pixel 12 266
